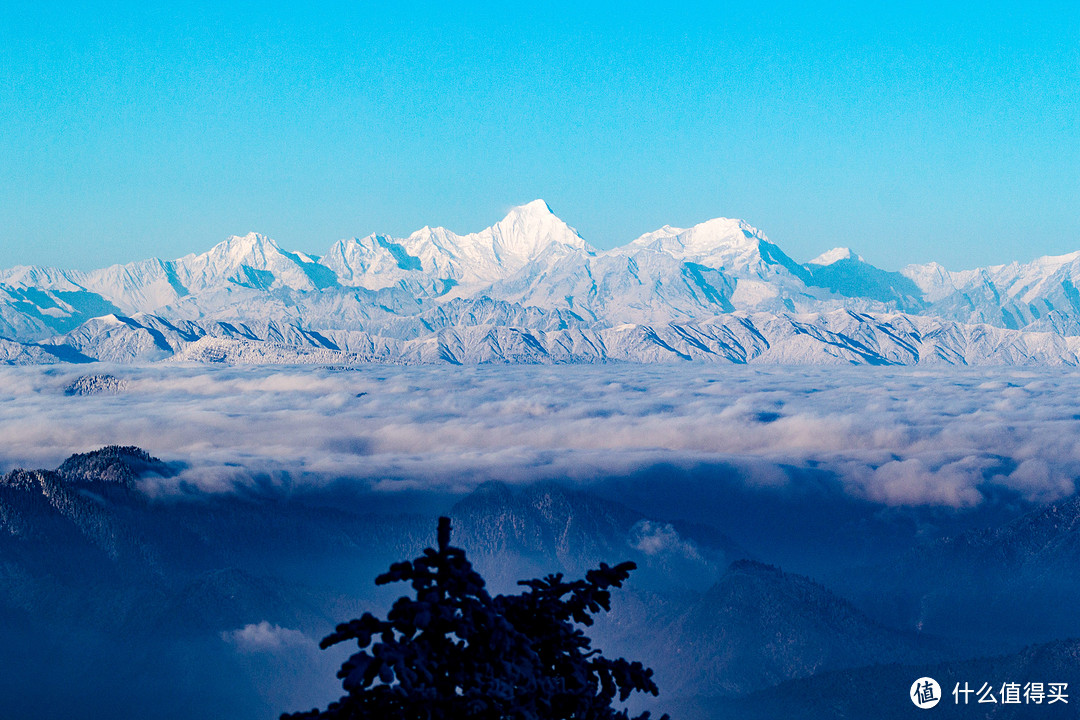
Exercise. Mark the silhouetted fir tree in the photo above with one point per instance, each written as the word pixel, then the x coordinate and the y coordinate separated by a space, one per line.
pixel 454 652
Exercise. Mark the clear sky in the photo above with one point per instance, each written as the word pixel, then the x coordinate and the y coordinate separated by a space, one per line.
pixel 912 132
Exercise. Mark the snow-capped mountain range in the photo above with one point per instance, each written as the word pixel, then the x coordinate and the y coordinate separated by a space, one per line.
pixel 530 289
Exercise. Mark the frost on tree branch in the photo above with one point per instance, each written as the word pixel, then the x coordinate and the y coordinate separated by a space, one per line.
pixel 453 651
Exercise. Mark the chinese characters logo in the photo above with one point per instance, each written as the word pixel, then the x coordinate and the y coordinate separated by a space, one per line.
pixel 925 693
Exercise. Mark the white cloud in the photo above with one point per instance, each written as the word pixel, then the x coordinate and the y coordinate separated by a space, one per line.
pixel 897 436
pixel 654 538
pixel 266 638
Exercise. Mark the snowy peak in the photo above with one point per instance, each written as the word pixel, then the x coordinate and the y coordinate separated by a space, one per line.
pixel 374 262
pixel 848 275
pixel 537 209
pixel 1014 295
pixel 737 249
pixel 718 236
pixel 1053 262
pixel 252 242
pixel 836 255
pixel 253 261
pixel 529 230
pixel 253 250
pixel 530 259
pixel 529 233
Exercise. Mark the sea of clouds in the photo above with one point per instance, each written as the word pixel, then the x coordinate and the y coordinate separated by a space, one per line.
pixel 895 436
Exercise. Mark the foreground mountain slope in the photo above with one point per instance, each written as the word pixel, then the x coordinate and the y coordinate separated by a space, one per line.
pixel 136 588
pixel 880 691
pixel 930 586
pixel 217 601
pixel 759 626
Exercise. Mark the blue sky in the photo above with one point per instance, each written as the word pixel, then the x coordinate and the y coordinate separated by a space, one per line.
pixel 910 133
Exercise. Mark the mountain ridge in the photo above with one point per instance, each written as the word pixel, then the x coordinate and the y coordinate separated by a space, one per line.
pixel 532 264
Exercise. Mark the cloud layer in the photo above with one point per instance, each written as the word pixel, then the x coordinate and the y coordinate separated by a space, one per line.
pixel 895 436
pixel 264 637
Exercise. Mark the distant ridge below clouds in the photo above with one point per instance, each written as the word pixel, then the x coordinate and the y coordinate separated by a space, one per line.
pixel 531 289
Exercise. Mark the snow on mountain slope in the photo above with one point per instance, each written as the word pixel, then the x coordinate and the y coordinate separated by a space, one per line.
pixel 33 276
pixel 115 338
pixel 19 319
pixel 836 254
pixel 731 246
pixel 33 313
pixel 254 352
pixel 530 231
pixel 1015 295
pixel 849 276
pixel 837 338
pixel 436 260
pixel 149 338
pixel 138 287
pixel 374 262
pixel 530 289
pixel 530 234
pixel 672 274
pixel 253 261
pixel 617 287
pixel 14 353
pixel 719 243
pixel 530 257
